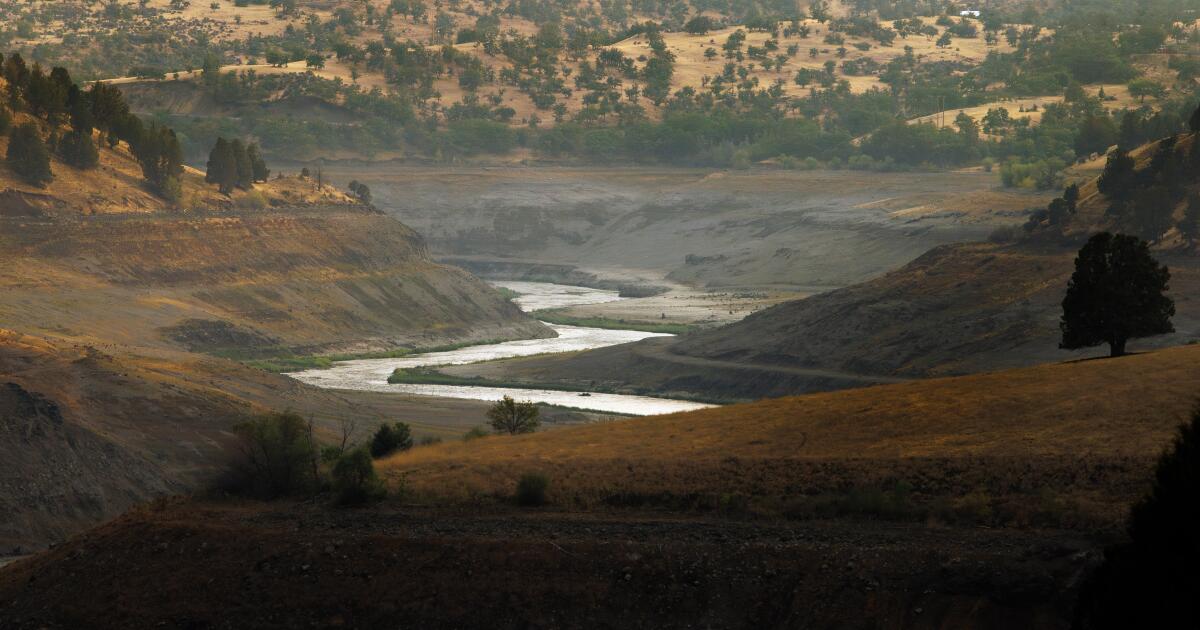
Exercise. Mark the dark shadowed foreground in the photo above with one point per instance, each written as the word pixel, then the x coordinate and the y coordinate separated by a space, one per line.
pixel 243 565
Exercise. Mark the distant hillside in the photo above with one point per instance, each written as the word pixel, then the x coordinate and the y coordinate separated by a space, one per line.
pixel 956 309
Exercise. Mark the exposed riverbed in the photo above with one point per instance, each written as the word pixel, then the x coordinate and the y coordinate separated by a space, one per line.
pixel 372 374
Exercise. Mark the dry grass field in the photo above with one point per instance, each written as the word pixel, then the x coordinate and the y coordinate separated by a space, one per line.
pixel 1081 431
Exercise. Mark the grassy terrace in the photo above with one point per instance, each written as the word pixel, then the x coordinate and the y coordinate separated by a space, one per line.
pixel 428 376
pixel 284 364
pixel 558 316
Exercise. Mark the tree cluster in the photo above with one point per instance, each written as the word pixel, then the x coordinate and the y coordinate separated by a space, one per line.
pixel 234 164
pixel 55 99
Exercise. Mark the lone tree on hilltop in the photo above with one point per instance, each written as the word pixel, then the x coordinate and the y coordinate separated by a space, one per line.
pixel 1116 294
pixel 1151 581
pixel 512 417
pixel 28 155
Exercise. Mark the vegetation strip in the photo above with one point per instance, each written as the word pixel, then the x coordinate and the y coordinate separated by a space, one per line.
pixel 425 376
pixel 558 316
pixel 287 364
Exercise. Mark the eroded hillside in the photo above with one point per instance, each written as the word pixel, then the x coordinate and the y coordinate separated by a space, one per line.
pixel 119 299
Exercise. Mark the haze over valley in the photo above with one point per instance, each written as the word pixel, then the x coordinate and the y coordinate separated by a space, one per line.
pixel 647 314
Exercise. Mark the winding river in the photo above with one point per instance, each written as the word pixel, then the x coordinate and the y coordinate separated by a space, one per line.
pixel 372 374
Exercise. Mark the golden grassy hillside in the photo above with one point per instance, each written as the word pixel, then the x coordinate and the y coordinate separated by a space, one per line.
pixel 1067 427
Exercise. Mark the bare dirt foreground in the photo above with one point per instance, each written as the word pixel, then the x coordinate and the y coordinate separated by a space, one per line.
pixel 223 565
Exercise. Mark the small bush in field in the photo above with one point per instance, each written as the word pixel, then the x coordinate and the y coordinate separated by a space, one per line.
pixel 531 490
pixel 354 479
pixel 390 438
pixel 474 434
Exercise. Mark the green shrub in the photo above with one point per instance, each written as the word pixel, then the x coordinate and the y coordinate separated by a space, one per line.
pixel 390 438
pixel 278 457
pixel 252 200
pixel 355 481
pixel 512 417
pixel 531 490
pixel 474 434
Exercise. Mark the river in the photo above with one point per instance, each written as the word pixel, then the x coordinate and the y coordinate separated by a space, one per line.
pixel 372 374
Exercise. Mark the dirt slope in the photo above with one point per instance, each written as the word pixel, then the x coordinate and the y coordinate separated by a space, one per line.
pixel 287 566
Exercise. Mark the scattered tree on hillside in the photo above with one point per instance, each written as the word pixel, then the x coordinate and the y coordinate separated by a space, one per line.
pixel 257 164
pixel 78 150
pixel 242 164
pixel 77 147
pixel 1119 174
pixel 699 25
pixel 222 167
pixel 1096 134
pixel 360 190
pixel 28 156
pixel 1141 88
pixel 1151 581
pixel 512 417
pixel 157 150
pixel 46 95
pixel 1116 293
pixel 1071 196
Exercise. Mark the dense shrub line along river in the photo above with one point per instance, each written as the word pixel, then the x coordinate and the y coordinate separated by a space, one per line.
pixel 372 374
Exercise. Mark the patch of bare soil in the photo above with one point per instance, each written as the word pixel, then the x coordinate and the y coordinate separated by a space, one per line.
pixel 220 565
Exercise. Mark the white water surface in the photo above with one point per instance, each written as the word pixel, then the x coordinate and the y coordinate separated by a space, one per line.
pixel 372 374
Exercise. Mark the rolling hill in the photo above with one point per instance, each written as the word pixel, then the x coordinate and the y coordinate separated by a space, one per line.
pixel 118 304
pixel 973 501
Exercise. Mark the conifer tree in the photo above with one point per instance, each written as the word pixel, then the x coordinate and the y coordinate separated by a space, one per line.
pixel 222 166
pixel 157 150
pixel 259 166
pixel 27 155
pixel 78 150
pixel 242 165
